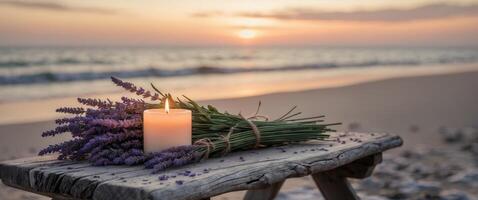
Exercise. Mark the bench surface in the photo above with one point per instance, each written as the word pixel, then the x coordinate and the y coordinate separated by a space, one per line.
pixel 246 170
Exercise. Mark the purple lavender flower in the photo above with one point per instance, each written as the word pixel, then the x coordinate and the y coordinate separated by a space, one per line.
pixel 126 85
pixel 102 162
pixel 130 101
pixel 118 161
pixel 134 160
pixel 93 131
pixel 56 131
pixel 71 110
pixel 173 157
pixel 114 124
pixel 110 133
pixel 68 148
pixel 107 157
pixel 184 160
pixel 51 149
pixel 95 102
pixel 94 142
pixel 127 139
pixel 132 88
pixel 67 120
pixel 132 144
pixel 162 166
pixel 151 161
pixel 103 153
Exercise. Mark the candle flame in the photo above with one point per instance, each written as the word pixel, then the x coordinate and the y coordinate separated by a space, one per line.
pixel 166 106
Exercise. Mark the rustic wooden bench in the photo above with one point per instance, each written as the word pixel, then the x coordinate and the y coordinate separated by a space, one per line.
pixel 261 172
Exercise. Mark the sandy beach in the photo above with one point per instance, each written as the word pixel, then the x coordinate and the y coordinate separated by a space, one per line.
pixel 413 107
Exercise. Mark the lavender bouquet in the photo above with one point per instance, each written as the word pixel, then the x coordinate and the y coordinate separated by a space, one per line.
pixel 110 133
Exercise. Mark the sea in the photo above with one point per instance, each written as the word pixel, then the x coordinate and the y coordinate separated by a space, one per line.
pixel 30 73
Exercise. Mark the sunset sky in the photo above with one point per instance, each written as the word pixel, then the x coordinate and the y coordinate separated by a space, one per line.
pixel 247 22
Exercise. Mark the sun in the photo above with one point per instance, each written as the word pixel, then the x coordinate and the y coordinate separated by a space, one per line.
pixel 247 34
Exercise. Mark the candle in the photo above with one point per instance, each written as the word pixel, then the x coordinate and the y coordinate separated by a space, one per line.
pixel 164 128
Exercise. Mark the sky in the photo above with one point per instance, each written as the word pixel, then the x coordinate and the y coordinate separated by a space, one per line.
pixel 246 22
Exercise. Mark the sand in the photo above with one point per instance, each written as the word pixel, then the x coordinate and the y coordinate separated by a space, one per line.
pixel 244 85
pixel 413 107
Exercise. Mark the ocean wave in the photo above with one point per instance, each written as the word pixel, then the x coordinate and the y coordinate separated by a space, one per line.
pixel 53 77
pixel 61 61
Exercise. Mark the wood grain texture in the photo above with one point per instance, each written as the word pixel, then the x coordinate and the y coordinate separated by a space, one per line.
pixel 254 169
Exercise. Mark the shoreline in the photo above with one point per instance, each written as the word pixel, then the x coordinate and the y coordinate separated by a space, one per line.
pixel 19 112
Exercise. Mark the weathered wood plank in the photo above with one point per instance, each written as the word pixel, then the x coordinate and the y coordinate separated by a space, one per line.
pixel 16 172
pixel 247 170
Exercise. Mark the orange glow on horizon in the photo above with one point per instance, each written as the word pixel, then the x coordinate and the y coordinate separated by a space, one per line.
pixel 247 34
pixel 237 23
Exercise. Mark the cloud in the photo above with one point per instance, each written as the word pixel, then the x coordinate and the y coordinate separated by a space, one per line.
pixel 208 14
pixel 431 11
pixel 54 6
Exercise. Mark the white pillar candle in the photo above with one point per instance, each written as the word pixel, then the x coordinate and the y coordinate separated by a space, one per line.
pixel 164 128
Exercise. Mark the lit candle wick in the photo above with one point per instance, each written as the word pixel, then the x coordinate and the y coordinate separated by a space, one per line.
pixel 166 106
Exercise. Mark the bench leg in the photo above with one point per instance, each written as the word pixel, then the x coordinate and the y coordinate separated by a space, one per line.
pixel 334 187
pixel 333 184
pixel 268 193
